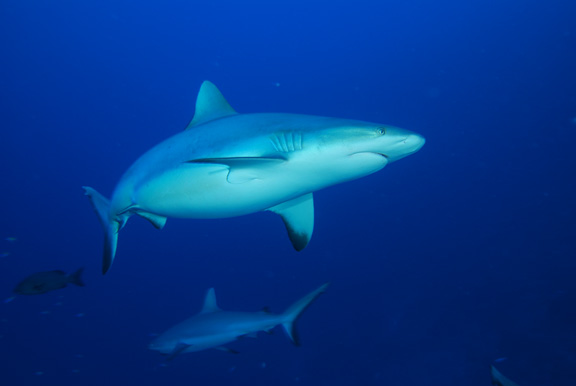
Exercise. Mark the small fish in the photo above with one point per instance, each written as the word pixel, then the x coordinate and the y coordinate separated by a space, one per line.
pixel 4 254
pixel 11 239
pixel 42 282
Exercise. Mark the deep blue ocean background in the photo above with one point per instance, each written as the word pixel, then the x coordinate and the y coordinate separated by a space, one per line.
pixel 460 256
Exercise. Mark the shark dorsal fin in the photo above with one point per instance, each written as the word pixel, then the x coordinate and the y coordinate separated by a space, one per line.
pixel 210 304
pixel 210 105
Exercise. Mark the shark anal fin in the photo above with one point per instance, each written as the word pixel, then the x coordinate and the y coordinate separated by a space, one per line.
pixel 243 169
pixel 298 216
pixel 210 105
pixel 179 348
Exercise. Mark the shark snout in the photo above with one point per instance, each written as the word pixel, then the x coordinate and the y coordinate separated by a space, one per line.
pixel 408 143
pixel 414 141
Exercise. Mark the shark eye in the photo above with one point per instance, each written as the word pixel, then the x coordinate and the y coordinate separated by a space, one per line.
pixel 381 130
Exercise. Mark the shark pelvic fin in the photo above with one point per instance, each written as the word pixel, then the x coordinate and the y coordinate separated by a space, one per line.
pixel 298 216
pixel 210 304
pixel 210 105
pixel 111 227
pixel 156 220
pixel 294 312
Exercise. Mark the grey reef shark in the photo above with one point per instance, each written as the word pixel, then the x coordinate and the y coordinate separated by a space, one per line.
pixel 227 164
pixel 213 327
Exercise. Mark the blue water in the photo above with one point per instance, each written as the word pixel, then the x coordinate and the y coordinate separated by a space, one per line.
pixel 460 256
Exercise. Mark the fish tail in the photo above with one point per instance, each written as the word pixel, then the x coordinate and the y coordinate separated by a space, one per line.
pixel 111 226
pixel 294 312
pixel 76 277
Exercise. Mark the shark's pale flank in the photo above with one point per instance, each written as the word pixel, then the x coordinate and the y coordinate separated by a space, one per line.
pixel 213 327
pixel 227 164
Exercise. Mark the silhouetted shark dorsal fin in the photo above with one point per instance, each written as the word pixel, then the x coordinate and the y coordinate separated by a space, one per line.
pixel 298 216
pixel 210 105
pixel 210 304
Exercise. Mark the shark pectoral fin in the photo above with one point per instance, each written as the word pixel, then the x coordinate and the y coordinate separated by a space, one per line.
pixel 179 348
pixel 156 220
pixel 210 105
pixel 222 348
pixel 243 169
pixel 298 216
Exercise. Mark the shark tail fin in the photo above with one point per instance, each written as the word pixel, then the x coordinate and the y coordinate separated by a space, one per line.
pixel 293 312
pixel 76 277
pixel 111 227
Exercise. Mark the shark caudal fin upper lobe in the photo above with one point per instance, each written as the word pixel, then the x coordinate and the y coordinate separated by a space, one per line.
pixel 111 227
pixel 76 277
pixel 293 312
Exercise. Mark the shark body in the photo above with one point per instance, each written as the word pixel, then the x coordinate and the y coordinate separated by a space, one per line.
pixel 227 164
pixel 213 327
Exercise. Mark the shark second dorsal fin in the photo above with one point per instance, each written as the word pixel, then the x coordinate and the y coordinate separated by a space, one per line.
pixel 210 304
pixel 210 105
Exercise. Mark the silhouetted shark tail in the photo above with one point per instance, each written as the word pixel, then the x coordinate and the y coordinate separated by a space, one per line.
pixel 111 227
pixel 76 278
pixel 293 312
